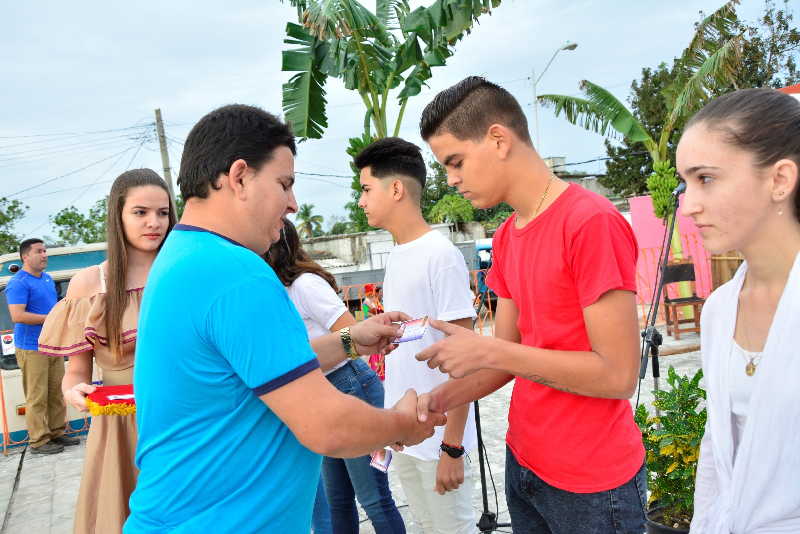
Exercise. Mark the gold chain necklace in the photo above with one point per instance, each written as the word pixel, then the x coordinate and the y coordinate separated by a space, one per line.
pixel 750 367
pixel 544 195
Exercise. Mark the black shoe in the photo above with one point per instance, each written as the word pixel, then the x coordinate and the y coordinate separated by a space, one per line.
pixel 66 441
pixel 8 362
pixel 48 448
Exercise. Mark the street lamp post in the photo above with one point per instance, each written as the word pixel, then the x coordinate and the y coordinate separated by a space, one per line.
pixel 565 46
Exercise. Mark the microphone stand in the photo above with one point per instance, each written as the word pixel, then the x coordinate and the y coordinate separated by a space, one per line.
pixel 488 521
pixel 652 337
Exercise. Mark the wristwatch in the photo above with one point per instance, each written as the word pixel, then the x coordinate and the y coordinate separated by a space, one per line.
pixel 452 451
pixel 347 343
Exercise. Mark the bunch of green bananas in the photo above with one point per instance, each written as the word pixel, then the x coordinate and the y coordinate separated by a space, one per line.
pixel 661 184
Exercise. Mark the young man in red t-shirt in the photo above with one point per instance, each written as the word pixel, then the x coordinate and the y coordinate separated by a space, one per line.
pixel 566 328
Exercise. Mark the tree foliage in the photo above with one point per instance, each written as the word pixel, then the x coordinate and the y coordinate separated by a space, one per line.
pixel 375 54
pixel 308 223
pixel 770 54
pixel 339 225
pixel 74 227
pixel 452 208
pixel 672 445
pixel 435 188
pixel 383 56
pixel 11 211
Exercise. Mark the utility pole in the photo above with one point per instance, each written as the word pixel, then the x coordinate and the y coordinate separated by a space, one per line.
pixel 162 142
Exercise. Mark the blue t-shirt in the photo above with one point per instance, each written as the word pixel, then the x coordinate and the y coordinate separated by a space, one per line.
pixel 216 330
pixel 38 293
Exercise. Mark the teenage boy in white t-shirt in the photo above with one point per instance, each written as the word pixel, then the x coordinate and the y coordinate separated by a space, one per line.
pixel 425 276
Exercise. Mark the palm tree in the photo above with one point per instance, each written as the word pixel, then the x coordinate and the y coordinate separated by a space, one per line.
pixel 372 53
pixel 308 224
pixel 707 65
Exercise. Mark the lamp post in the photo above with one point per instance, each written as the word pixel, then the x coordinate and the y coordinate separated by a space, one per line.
pixel 565 46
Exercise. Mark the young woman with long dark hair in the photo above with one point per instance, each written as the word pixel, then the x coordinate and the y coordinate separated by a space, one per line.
pixel 739 157
pixel 96 324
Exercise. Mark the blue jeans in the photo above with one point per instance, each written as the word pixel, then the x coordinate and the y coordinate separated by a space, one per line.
pixel 346 479
pixel 537 507
pixel 321 517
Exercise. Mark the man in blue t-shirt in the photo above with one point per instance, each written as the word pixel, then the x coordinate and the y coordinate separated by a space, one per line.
pixel 31 294
pixel 232 409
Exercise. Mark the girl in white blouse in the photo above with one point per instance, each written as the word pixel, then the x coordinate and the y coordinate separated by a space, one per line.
pixel 739 157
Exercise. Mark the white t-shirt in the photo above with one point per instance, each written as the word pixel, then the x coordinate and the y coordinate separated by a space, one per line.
pixel 741 391
pixel 425 277
pixel 318 305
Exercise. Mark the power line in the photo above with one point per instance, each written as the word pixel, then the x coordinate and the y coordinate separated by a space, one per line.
pixel 86 188
pixel 63 190
pixel 68 138
pixel 595 159
pixel 70 173
pixel 89 149
pixel 73 133
pixel 65 147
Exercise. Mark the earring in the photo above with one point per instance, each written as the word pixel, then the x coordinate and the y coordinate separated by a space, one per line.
pixel 780 211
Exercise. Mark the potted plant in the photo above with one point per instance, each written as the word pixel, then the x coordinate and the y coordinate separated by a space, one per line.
pixel 672 445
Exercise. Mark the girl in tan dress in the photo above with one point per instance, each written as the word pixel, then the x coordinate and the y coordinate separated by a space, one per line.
pixel 96 324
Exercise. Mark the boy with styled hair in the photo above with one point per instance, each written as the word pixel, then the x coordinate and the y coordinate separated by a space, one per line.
pixel 425 275
pixel 566 329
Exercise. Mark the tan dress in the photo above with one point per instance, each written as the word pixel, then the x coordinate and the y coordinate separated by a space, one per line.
pixel 76 326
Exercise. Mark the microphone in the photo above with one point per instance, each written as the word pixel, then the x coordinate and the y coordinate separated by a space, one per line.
pixel 680 189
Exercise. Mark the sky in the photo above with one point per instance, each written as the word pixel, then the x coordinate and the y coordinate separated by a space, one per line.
pixel 81 80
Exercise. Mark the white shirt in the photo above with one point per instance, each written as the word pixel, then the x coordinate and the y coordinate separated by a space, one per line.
pixel 741 391
pixel 757 492
pixel 425 277
pixel 318 305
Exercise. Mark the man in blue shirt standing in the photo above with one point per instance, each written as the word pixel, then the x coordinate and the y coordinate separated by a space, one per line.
pixel 232 409
pixel 31 294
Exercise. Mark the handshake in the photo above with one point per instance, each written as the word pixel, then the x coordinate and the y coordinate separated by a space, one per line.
pixel 417 428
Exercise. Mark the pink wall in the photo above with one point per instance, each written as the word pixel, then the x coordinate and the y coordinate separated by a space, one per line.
pixel 649 232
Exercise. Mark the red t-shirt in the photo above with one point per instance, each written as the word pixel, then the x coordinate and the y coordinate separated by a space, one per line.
pixel 561 262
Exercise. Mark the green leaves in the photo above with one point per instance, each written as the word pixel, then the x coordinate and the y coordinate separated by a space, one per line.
pixel 304 94
pixel 11 211
pixel 672 444
pixel 717 70
pixel 599 111
pixel 308 224
pixel 343 39
pixel 74 227
pixel 452 208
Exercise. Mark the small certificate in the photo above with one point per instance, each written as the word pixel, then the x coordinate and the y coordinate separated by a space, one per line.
pixel 381 463
pixel 412 330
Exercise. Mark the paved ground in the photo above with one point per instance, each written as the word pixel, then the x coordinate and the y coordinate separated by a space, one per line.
pixel 43 501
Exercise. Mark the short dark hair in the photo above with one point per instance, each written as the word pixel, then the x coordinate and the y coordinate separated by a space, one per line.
pixel 467 109
pixel 392 155
pixel 221 137
pixel 764 122
pixel 26 245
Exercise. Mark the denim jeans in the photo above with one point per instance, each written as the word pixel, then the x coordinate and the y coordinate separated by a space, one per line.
pixel 537 507
pixel 321 517
pixel 347 479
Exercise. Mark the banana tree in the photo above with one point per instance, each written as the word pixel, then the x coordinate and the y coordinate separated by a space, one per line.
pixel 708 64
pixel 393 49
